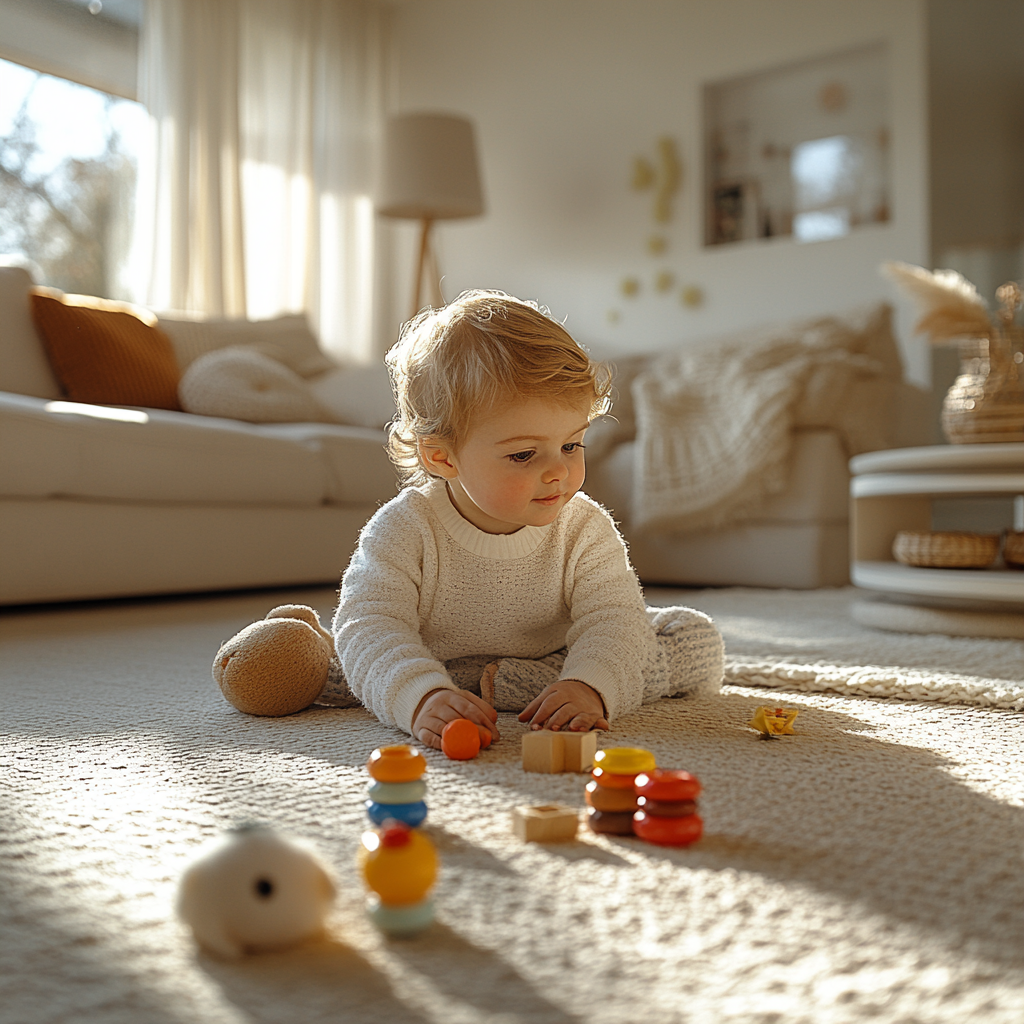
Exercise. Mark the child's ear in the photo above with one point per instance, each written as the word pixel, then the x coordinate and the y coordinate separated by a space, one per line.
pixel 436 458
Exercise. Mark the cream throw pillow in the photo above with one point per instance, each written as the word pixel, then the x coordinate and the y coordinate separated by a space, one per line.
pixel 240 384
pixel 286 339
pixel 359 395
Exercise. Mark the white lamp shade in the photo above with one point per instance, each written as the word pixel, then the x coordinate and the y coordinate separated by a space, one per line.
pixel 429 168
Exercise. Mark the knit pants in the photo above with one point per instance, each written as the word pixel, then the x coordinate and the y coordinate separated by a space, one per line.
pixel 688 662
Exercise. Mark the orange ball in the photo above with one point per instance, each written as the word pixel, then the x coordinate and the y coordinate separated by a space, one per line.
pixel 460 740
pixel 485 737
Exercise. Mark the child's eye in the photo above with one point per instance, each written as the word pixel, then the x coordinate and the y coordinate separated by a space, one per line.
pixel 572 447
pixel 520 457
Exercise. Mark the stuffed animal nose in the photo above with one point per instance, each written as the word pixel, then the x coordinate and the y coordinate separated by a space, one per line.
pixel 264 888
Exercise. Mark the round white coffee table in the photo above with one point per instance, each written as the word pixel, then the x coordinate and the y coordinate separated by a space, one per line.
pixel 892 491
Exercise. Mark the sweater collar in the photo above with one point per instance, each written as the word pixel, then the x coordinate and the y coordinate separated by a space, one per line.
pixel 523 542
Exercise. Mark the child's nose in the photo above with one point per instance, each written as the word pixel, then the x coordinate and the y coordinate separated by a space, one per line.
pixel 557 470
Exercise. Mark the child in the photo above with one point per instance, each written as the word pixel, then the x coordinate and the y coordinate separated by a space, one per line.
pixel 491 582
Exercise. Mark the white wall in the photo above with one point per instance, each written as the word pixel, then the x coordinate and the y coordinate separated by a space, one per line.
pixel 565 93
pixel 976 85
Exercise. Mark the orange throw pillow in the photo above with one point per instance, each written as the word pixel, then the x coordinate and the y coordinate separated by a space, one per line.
pixel 106 355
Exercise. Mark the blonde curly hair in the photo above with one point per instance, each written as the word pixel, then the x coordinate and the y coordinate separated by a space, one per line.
pixel 481 349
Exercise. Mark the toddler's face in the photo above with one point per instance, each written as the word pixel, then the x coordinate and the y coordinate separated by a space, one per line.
pixel 519 464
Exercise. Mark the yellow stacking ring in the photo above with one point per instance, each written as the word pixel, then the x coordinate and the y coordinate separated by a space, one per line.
pixel 624 760
pixel 399 864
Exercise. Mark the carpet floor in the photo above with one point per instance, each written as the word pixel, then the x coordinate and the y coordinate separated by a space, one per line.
pixel 869 868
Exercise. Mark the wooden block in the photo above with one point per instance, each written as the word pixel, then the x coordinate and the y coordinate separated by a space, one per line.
pixel 580 748
pixel 550 752
pixel 544 751
pixel 547 823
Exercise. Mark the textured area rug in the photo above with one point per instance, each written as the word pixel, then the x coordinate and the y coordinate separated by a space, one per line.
pixel 810 641
pixel 869 868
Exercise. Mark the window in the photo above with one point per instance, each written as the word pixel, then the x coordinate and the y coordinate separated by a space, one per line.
pixel 68 161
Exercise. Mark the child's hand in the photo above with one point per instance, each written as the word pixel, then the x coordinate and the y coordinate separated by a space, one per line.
pixel 567 704
pixel 440 707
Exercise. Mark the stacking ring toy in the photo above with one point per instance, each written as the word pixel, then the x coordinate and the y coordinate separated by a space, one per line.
pixel 610 781
pixel 604 798
pixel 668 831
pixel 398 864
pixel 667 784
pixel 411 814
pixel 624 760
pixel 397 792
pixel 400 763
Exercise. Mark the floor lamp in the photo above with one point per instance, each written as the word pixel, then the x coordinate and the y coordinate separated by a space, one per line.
pixel 429 172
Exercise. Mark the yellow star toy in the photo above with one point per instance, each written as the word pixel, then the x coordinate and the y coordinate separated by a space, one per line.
pixel 773 722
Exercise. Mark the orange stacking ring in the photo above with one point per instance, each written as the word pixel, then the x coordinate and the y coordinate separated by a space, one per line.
pixel 609 800
pixel 610 781
pixel 663 784
pixel 668 831
pixel 400 763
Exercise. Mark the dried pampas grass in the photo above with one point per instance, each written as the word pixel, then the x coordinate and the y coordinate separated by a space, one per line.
pixel 951 305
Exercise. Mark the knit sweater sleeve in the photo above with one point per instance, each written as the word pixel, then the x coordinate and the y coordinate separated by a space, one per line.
pixel 377 625
pixel 610 640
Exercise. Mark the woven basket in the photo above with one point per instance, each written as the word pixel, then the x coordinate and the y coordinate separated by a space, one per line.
pixel 1013 550
pixel 946 550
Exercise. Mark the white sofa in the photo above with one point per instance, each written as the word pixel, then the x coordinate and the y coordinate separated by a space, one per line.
pixel 104 502
pixel 796 537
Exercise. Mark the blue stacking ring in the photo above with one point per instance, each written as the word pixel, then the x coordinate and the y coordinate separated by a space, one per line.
pixel 407 919
pixel 397 792
pixel 409 814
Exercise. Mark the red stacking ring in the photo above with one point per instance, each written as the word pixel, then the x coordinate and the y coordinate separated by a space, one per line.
pixel 668 831
pixel 666 808
pixel 664 784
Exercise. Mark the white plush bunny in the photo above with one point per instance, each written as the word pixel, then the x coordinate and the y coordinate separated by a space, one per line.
pixel 255 891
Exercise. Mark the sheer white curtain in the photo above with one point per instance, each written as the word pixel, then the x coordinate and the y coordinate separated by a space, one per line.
pixel 257 199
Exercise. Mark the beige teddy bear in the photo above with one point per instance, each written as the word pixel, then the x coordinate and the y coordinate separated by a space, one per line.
pixel 277 665
pixel 286 662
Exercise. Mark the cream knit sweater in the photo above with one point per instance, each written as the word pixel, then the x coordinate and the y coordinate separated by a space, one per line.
pixel 425 586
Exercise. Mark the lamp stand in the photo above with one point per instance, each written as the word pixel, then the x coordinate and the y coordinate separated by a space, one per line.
pixel 426 262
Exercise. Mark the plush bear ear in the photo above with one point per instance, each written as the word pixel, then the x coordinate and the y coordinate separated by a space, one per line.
pixel 204 914
pixel 299 611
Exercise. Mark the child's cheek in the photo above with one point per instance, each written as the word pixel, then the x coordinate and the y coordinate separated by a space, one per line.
pixel 516 492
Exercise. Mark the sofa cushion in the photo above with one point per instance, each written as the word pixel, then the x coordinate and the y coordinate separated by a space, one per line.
pixel 866 331
pixel 23 365
pixel 286 339
pixel 817 490
pixel 242 384
pixel 68 449
pixel 105 352
pixel 360 395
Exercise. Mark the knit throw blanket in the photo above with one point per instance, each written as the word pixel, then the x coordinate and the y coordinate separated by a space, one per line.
pixel 715 427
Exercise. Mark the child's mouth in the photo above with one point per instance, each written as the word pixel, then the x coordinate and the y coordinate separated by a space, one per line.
pixel 548 501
